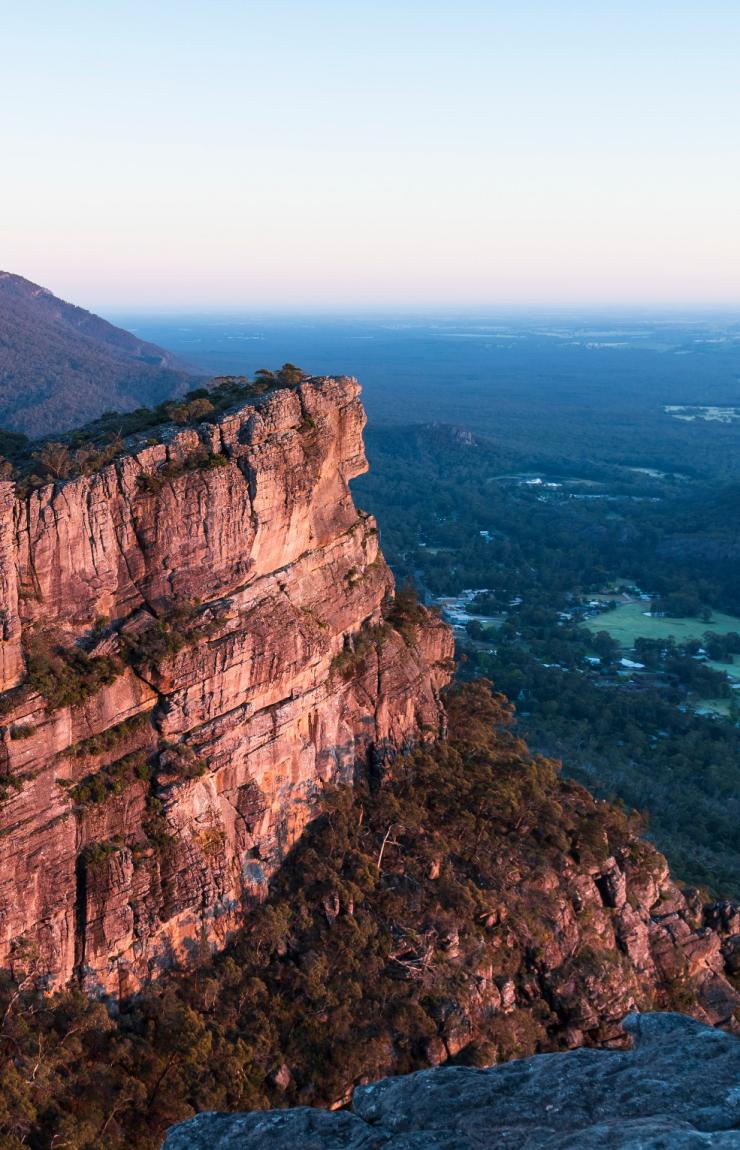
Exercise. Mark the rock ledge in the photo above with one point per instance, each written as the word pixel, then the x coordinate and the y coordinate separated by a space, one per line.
pixel 677 1088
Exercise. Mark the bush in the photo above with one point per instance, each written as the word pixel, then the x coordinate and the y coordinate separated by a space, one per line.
pixel 22 731
pixel 193 412
pixel 405 612
pixel 357 648
pixel 346 972
pixel 111 780
pixel 183 762
pixel 92 447
pixel 66 676
pixel 151 482
pixel 110 738
pixel 155 825
pixel 166 636
pixel 95 853
pixel 9 784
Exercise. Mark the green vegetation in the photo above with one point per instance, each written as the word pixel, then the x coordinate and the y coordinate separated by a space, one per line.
pixel 374 933
pixel 151 482
pixel 9 784
pixel 111 780
pixel 402 614
pixel 142 764
pixel 729 666
pixel 679 768
pixel 155 826
pixel 457 512
pixel 405 612
pixel 96 853
pixel 22 731
pixel 167 635
pixel 354 655
pixel 94 446
pixel 110 738
pixel 182 761
pixel 61 365
pixel 426 485
pixel 66 676
pixel 58 461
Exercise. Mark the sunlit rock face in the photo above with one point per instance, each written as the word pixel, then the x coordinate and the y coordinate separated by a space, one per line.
pixel 211 758
pixel 676 1088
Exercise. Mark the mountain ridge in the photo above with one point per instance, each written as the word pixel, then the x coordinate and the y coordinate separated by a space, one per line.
pixel 61 365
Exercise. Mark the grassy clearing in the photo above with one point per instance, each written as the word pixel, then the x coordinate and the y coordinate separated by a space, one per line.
pixel 715 707
pixel 731 668
pixel 629 621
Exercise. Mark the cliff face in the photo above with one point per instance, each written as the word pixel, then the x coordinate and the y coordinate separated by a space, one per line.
pixel 220 581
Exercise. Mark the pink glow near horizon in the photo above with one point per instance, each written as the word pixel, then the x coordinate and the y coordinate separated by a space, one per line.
pixel 381 155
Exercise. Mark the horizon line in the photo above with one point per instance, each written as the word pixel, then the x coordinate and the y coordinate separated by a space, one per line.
pixel 441 309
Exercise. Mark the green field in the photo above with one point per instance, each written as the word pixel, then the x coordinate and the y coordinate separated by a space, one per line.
pixel 715 706
pixel 628 621
pixel 732 668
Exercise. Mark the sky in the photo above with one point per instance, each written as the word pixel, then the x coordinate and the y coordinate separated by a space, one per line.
pixel 371 154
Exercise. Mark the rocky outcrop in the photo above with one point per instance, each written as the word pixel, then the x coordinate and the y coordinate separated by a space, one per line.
pixel 230 597
pixel 676 1087
pixel 11 657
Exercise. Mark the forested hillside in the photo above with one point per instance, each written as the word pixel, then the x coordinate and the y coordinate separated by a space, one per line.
pixel 475 907
pixel 61 365
pixel 539 537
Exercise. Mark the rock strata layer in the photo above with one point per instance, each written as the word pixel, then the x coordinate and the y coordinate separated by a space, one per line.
pixel 678 1087
pixel 226 585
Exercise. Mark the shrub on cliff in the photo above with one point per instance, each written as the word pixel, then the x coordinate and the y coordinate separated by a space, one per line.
pixel 358 648
pixel 66 676
pixel 405 612
pixel 164 637
pixel 111 780
pixel 182 762
pixel 151 482
pixel 110 737
pixel 288 376
pixel 9 784
pixel 90 448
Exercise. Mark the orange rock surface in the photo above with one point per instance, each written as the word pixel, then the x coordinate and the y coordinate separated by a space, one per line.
pixel 241 726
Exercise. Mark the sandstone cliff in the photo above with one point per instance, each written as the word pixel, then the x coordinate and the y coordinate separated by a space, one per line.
pixel 219 583
pixel 677 1087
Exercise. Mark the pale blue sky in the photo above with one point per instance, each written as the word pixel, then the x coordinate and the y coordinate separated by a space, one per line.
pixel 201 155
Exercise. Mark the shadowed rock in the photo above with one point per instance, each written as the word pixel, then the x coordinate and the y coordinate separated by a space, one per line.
pixel 677 1088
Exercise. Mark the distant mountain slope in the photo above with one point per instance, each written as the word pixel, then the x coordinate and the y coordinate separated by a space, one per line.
pixel 61 365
